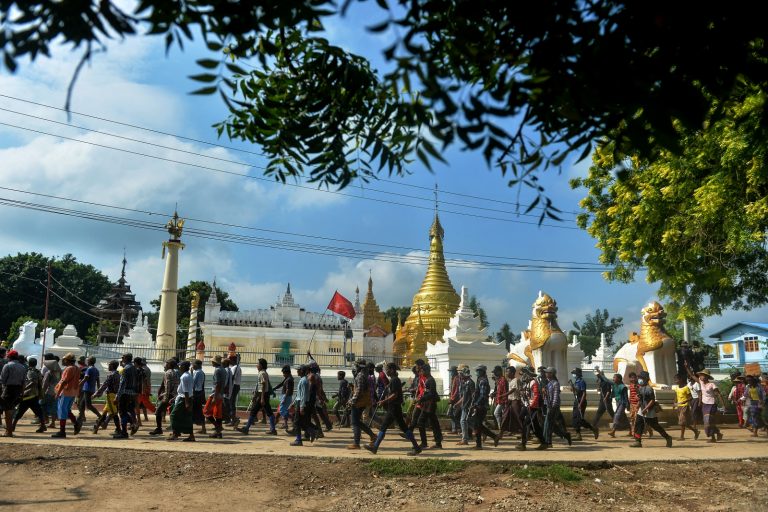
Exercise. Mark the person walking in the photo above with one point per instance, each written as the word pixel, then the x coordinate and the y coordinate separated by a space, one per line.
pixel 480 408
pixel 12 378
pixel 392 400
pixel 67 390
pixel 127 391
pixel 88 384
pixel 32 396
pixel 110 386
pixel 214 406
pixel 166 395
pixel 579 390
pixel 181 409
pixel 646 413
pixel 359 402
pixel 709 396
pixel 286 399
pixel 427 411
pixel 198 395
pixel 553 420
pixel 621 397
pixel 260 401
pixel 683 399
pixel 531 416
pixel 465 403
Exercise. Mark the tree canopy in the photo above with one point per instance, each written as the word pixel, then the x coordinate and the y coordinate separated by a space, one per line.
pixel 526 86
pixel 392 313
pixel 507 336
pixel 592 327
pixel 695 221
pixel 75 287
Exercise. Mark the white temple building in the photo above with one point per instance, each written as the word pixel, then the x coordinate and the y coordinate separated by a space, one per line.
pixel 464 342
pixel 284 332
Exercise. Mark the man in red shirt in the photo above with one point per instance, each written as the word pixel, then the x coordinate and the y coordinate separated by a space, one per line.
pixel 500 397
pixel 531 413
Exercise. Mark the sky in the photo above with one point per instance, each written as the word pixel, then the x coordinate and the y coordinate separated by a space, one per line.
pixel 135 82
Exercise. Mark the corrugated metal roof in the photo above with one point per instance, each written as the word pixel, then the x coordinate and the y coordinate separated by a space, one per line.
pixel 758 325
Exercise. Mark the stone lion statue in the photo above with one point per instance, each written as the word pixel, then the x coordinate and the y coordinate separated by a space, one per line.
pixel 543 343
pixel 652 350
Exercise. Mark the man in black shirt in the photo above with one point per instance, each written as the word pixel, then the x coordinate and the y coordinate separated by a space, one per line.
pixel 393 401
pixel 426 412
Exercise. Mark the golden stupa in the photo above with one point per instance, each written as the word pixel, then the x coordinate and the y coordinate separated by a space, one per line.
pixel 433 305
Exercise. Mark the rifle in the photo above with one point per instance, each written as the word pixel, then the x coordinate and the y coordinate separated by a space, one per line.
pixel 378 404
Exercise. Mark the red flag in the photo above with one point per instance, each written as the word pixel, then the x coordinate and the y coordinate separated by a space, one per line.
pixel 341 305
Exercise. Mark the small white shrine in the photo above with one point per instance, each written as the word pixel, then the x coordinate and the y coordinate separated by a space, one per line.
pixel 603 357
pixel 68 342
pixel 139 335
pixel 464 342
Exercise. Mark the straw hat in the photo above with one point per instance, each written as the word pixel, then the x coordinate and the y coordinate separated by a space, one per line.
pixel 68 357
pixel 704 372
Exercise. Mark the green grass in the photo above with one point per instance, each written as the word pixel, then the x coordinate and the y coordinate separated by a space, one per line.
pixel 415 467
pixel 552 473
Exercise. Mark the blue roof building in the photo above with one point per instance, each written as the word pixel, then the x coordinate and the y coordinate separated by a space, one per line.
pixel 742 343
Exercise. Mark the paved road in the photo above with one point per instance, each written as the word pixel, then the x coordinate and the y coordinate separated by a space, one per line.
pixel 737 444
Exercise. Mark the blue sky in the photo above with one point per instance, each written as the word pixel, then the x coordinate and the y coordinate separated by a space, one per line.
pixel 135 82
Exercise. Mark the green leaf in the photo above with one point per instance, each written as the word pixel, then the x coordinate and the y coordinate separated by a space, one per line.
pixel 208 63
pixel 204 77
pixel 205 91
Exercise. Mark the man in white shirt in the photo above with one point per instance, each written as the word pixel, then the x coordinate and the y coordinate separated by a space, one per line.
pixel 181 411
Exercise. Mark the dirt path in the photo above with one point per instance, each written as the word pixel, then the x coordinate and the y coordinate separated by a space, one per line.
pixel 736 445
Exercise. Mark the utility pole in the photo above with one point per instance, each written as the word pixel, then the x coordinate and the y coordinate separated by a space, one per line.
pixel 685 329
pixel 45 319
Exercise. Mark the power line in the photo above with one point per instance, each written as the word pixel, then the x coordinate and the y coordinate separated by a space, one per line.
pixel 252 228
pixel 249 176
pixel 385 180
pixel 290 246
pixel 248 165
pixel 133 125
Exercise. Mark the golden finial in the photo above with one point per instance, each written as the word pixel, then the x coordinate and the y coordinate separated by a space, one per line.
pixel 175 226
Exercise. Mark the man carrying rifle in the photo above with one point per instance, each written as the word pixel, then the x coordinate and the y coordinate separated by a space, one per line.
pixel 530 415
pixel 480 409
pixel 426 411
pixel 579 390
pixel 553 422
pixel 361 399
pixel 392 400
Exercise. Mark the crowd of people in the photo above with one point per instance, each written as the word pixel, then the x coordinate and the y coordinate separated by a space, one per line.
pixel 524 403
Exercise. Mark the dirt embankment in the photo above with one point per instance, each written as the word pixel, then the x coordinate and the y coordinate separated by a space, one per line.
pixel 91 478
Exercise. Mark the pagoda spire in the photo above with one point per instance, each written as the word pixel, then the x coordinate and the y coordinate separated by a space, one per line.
pixel 436 301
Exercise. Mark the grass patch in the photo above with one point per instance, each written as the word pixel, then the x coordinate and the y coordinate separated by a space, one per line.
pixel 415 467
pixel 552 473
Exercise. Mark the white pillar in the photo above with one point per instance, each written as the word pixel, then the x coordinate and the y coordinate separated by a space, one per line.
pixel 166 324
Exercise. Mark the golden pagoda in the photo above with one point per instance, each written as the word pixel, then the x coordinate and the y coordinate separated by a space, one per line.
pixel 433 305
pixel 372 315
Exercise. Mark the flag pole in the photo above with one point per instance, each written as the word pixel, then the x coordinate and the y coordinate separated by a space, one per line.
pixel 312 339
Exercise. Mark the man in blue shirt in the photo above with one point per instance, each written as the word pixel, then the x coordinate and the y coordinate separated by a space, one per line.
pixel 480 408
pixel 88 385
pixel 579 389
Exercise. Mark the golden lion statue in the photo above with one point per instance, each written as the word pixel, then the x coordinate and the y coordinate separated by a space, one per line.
pixel 543 343
pixel 653 350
